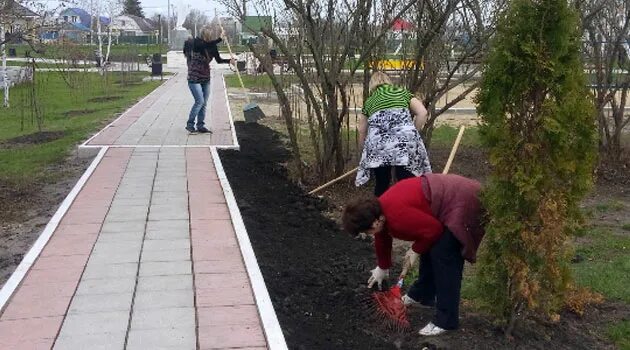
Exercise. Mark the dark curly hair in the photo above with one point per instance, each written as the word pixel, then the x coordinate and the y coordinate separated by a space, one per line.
pixel 359 215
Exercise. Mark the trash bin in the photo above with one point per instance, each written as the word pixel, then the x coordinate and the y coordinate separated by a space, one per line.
pixel 240 65
pixel 97 58
pixel 157 58
pixel 156 69
pixel 12 52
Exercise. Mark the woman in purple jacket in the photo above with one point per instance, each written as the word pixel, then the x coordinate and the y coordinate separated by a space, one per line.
pixel 199 53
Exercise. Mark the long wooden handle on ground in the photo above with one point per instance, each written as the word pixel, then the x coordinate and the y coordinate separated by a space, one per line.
pixel 238 74
pixel 334 180
pixel 454 150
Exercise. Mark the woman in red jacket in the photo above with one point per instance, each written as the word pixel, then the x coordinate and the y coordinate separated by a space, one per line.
pixel 441 214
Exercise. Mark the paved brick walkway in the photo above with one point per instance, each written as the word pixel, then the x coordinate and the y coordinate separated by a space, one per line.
pixel 149 251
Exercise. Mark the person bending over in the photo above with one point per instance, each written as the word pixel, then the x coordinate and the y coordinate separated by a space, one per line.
pixel 442 216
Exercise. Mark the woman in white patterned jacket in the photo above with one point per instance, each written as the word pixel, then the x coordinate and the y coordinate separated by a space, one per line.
pixel 389 136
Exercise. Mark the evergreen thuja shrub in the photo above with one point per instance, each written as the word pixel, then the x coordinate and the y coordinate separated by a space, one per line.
pixel 537 122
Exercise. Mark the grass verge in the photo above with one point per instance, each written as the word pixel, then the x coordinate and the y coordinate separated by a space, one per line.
pixel 71 107
pixel 604 264
pixel 620 334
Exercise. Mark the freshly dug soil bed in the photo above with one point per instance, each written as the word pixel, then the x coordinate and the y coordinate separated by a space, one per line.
pixel 316 274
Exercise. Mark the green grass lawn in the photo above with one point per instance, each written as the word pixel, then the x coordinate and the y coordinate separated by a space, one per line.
pixel 605 268
pixel 48 65
pixel 258 82
pixel 76 112
pixel 620 334
pixel 445 135
pixel 118 52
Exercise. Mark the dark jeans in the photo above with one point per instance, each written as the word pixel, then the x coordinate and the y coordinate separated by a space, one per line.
pixel 440 280
pixel 383 177
pixel 200 92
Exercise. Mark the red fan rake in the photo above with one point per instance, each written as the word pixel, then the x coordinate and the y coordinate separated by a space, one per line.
pixel 390 307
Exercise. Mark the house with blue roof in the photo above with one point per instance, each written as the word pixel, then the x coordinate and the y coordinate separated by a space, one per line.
pixel 75 24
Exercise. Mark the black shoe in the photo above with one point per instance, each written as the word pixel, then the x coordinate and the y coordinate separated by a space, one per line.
pixel 203 130
pixel 191 130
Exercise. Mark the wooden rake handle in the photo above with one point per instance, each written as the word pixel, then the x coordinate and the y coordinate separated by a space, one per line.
pixel 227 42
pixel 454 149
pixel 334 180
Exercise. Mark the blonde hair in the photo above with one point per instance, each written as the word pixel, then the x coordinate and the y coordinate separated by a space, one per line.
pixel 378 79
pixel 209 33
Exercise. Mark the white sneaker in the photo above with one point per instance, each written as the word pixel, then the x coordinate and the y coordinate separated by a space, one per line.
pixel 431 330
pixel 408 301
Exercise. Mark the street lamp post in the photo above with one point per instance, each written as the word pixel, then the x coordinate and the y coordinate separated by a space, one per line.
pixel 168 24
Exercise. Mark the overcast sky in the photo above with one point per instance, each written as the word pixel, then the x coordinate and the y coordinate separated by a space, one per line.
pixel 159 6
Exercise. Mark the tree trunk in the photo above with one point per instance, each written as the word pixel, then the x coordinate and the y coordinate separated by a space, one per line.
pixel 5 73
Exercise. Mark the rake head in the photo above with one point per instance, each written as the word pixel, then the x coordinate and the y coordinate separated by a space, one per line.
pixel 390 308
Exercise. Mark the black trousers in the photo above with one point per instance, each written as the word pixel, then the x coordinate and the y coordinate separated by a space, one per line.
pixel 440 280
pixel 383 177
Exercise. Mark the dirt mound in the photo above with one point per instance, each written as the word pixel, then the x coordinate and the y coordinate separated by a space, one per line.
pixel 316 274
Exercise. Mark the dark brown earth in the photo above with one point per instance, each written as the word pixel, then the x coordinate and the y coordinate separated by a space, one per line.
pixel 316 274
pixel 79 112
pixel 25 210
pixel 32 139
pixel 105 98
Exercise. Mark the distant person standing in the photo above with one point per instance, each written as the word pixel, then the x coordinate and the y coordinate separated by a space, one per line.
pixel 388 135
pixel 199 53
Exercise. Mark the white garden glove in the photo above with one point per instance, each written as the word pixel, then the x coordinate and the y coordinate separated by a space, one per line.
pixel 410 260
pixel 378 275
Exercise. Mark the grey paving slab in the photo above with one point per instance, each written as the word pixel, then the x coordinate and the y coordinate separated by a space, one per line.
pixel 122 247
pixel 96 322
pixel 90 303
pixel 141 188
pixel 166 244
pixel 132 236
pixel 118 227
pixel 168 318
pixel 166 234
pixel 164 299
pixel 127 212
pixel 168 212
pixel 126 218
pixel 170 187
pixel 100 271
pixel 164 283
pixel 166 255
pixel 168 225
pixel 165 198
pixel 96 341
pixel 132 194
pixel 117 202
pixel 125 256
pixel 163 268
pixel 158 339
pixel 107 286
